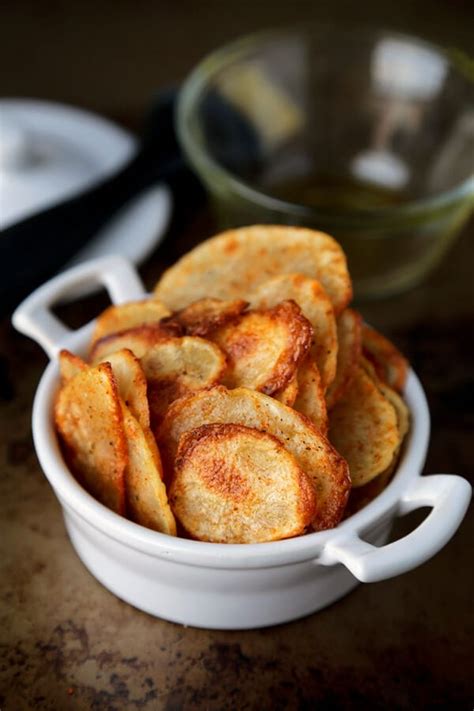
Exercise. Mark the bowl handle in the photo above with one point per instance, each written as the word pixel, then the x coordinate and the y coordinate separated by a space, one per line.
pixel 34 317
pixel 448 496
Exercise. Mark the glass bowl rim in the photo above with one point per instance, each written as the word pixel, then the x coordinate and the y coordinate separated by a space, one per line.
pixel 198 80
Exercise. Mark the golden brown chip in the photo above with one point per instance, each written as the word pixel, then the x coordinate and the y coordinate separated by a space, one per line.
pixel 363 428
pixel 70 365
pixel 402 412
pixel 288 394
pixel 122 317
pixel 235 484
pixel 205 315
pixel 88 418
pixel 264 347
pixel 349 325
pixel 132 387
pixel 138 340
pixel 327 470
pixel 310 400
pixel 315 305
pixel 131 383
pixel 178 366
pixel 147 501
pixel 363 495
pixel 234 263
pixel 391 366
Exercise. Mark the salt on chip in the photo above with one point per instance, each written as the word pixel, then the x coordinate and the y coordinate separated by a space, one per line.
pixel 234 263
pixel 138 340
pixel 363 427
pixel 235 484
pixel 175 367
pixel 88 417
pixel 315 305
pixel 310 400
pixel 349 325
pixel 315 455
pixel 264 347
pixel 147 500
pixel 391 366
pixel 205 315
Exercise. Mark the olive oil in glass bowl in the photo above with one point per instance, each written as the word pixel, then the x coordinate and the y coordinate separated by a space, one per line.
pixel 366 135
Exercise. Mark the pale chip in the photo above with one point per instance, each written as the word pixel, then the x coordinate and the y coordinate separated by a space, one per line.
pixel 363 428
pixel 121 317
pixel 147 501
pixel 314 454
pixel 310 400
pixel 315 305
pixel 176 367
pixel 205 315
pixel 391 366
pixel 88 418
pixel 234 263
pixel 349 325
pixel 138 340
pixel 235 484
pixel 264 347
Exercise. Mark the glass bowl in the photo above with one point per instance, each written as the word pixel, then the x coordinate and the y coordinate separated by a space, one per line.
pixel 366 135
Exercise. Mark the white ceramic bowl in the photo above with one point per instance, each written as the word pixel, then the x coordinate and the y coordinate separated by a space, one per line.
pixel 231 586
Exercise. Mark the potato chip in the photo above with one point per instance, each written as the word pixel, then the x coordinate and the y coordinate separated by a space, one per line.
pixel 349 338
pixel 288 394
pixel 391 366
pixel 235 484
pixel 133 391
pixel 147 501
pixel 315 305
pixel 401 410
pixel 310 400
pixel 205 315
pixel 88 418
pixel 138 340
pixel 121 317
pixel 235 262
pixel 131 383
pixel 69 365
pixel 264 347
pixel 327 470
pixel 179 366
pixel 363 428
pixel 363 495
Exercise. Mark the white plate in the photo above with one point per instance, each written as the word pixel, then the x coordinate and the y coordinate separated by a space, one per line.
pixel 92 148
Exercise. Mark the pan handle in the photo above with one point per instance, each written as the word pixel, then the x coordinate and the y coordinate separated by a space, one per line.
pixel 34 317
pixel 447 495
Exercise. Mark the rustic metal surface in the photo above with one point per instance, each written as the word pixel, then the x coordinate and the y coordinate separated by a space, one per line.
pixel 406 643
pixel 65 641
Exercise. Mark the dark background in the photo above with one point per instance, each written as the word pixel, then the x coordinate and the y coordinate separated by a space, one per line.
pixel 111 56
pixel 65 642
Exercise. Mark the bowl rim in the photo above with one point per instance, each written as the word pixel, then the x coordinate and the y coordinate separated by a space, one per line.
pixel 215 555
pixel 411 211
